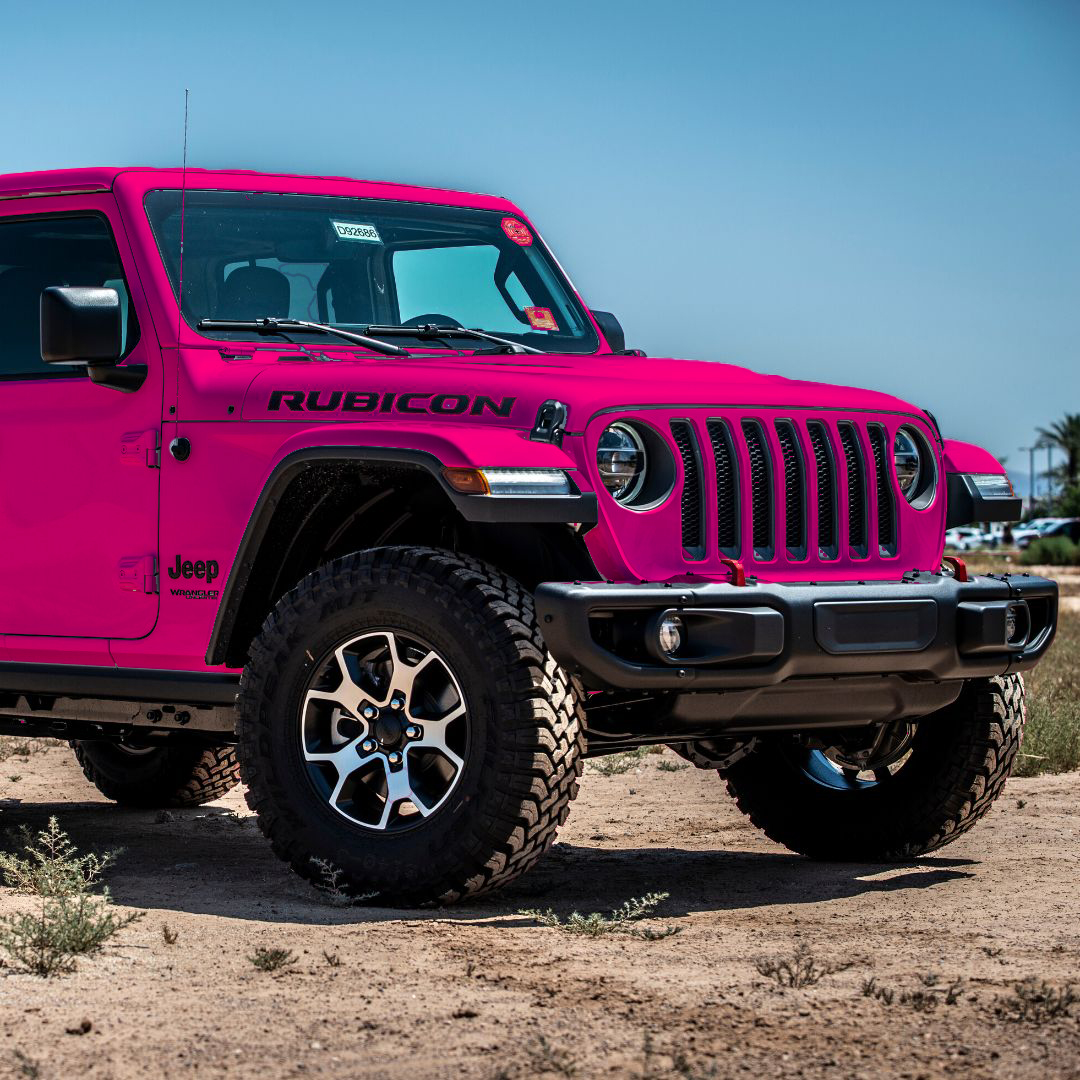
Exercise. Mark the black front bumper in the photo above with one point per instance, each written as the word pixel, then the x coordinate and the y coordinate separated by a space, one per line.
pixel 927 627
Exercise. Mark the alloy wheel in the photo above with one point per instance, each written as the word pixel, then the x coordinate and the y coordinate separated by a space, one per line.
pixel 384 730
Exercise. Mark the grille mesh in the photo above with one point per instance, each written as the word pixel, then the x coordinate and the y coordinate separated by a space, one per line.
pixel 886 510
pixel 760 487
pixel 826 489
pixel 856 488
pixel 727 494
pixel 794 489
pixel 693 526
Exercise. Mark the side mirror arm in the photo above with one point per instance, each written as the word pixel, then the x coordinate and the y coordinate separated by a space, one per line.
pixel 127 379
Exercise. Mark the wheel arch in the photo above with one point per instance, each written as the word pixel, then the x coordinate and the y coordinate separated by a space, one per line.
pixel 322 502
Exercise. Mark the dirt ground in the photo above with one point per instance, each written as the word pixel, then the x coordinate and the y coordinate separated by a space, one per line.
pixel 482 991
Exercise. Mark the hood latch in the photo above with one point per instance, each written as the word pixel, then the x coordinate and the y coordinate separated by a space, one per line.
pixel 550 423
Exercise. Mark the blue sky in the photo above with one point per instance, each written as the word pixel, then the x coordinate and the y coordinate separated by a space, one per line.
pixel 883 194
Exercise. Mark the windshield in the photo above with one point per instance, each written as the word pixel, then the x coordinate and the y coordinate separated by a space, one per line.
pixel 354 263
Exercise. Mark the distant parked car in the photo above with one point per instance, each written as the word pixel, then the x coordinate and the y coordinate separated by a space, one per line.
pixel 964 538
pixel 1029 530
pixel 1067 527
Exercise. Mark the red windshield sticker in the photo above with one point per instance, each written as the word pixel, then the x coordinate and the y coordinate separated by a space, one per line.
pixel 540 318
pixel 517 231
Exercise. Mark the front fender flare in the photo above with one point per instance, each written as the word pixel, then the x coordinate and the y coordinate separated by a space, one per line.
pixel 579 507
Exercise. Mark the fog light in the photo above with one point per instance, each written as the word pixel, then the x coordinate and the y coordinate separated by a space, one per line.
pixel 669 634
pixel 1016 624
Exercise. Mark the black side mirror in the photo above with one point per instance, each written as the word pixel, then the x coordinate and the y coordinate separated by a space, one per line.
pixel 611 329
pixel 81 326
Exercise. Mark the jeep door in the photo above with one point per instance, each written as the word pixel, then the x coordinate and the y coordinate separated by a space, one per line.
pixel 78 461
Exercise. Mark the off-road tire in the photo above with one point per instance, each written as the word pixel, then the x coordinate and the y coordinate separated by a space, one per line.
pixel 179 774
pixel 525 714
pixel 960 760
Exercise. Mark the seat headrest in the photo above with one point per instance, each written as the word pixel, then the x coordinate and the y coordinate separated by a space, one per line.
pixel 255 292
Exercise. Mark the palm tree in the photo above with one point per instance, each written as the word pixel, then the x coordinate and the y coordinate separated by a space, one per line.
pixel 1065 435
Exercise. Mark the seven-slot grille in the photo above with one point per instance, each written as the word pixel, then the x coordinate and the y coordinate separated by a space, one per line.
pixel 758 464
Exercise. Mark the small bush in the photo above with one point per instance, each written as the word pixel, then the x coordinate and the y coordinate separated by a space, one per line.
pixel 331 886
pixel 617 764
pixel 671 766
pixel 50 864
pixel 273 959
pixel 47 942
pixel 1051 551
pixel 884 994
pixel 550 1059
pixel 798 968
pixel 15 746
pixel 1036 1002
pixel 921 1000
pixel 621 921
pixel 71 920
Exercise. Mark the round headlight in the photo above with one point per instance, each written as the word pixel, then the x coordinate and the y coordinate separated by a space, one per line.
pixel 620 457
pixel 907 460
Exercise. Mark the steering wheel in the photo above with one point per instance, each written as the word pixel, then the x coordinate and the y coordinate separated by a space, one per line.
pixel 433 318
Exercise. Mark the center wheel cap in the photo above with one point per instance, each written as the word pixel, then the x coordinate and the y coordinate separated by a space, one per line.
pixel 388 729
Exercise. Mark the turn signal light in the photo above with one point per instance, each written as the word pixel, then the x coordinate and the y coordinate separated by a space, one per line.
pixel 467 481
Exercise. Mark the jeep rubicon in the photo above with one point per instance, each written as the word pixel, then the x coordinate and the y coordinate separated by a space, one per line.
pixel 339 488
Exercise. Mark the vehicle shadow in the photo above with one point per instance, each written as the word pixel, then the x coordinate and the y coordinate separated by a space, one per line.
pixel 210 861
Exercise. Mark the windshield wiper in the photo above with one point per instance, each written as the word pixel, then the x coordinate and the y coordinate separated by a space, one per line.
pixel 277 326
pixel 427 331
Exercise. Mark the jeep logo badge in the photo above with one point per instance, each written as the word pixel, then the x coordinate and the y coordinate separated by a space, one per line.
pixel 208 570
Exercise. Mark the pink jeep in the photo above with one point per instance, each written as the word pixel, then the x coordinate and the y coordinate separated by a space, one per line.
pixel 381 518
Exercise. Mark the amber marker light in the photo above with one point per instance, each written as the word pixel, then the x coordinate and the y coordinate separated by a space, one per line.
pixel 467 481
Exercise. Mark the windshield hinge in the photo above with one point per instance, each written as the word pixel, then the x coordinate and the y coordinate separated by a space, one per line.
pixel 141 448
pixel 550 423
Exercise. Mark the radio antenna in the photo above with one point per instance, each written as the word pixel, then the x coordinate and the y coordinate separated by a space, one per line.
pixel 183 205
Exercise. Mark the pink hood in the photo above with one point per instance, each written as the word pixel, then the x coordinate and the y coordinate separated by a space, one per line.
pixel 586 384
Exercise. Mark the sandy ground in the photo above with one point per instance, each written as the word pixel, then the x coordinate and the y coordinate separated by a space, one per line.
pixel 481 991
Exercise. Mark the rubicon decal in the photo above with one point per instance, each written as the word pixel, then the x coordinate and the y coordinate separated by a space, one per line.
pixel 371 401
pixel 207 569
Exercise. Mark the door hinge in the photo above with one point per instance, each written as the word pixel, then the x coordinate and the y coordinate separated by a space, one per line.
pixel 141 448
pixel 139 573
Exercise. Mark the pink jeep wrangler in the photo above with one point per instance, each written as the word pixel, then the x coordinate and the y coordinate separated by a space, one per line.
pixel 381 518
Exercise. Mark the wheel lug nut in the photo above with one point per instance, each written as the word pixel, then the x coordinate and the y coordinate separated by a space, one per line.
pixel 412 731
pixel 368 746
pixel 397 703
pixel 370 712
pixel 395 758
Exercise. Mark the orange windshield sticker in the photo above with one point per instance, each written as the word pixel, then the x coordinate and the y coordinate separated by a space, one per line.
pixel 540 318
pixel 517 231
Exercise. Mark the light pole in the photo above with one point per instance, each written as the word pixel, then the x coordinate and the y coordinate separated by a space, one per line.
pixel 1031 475
pixel 1044 444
